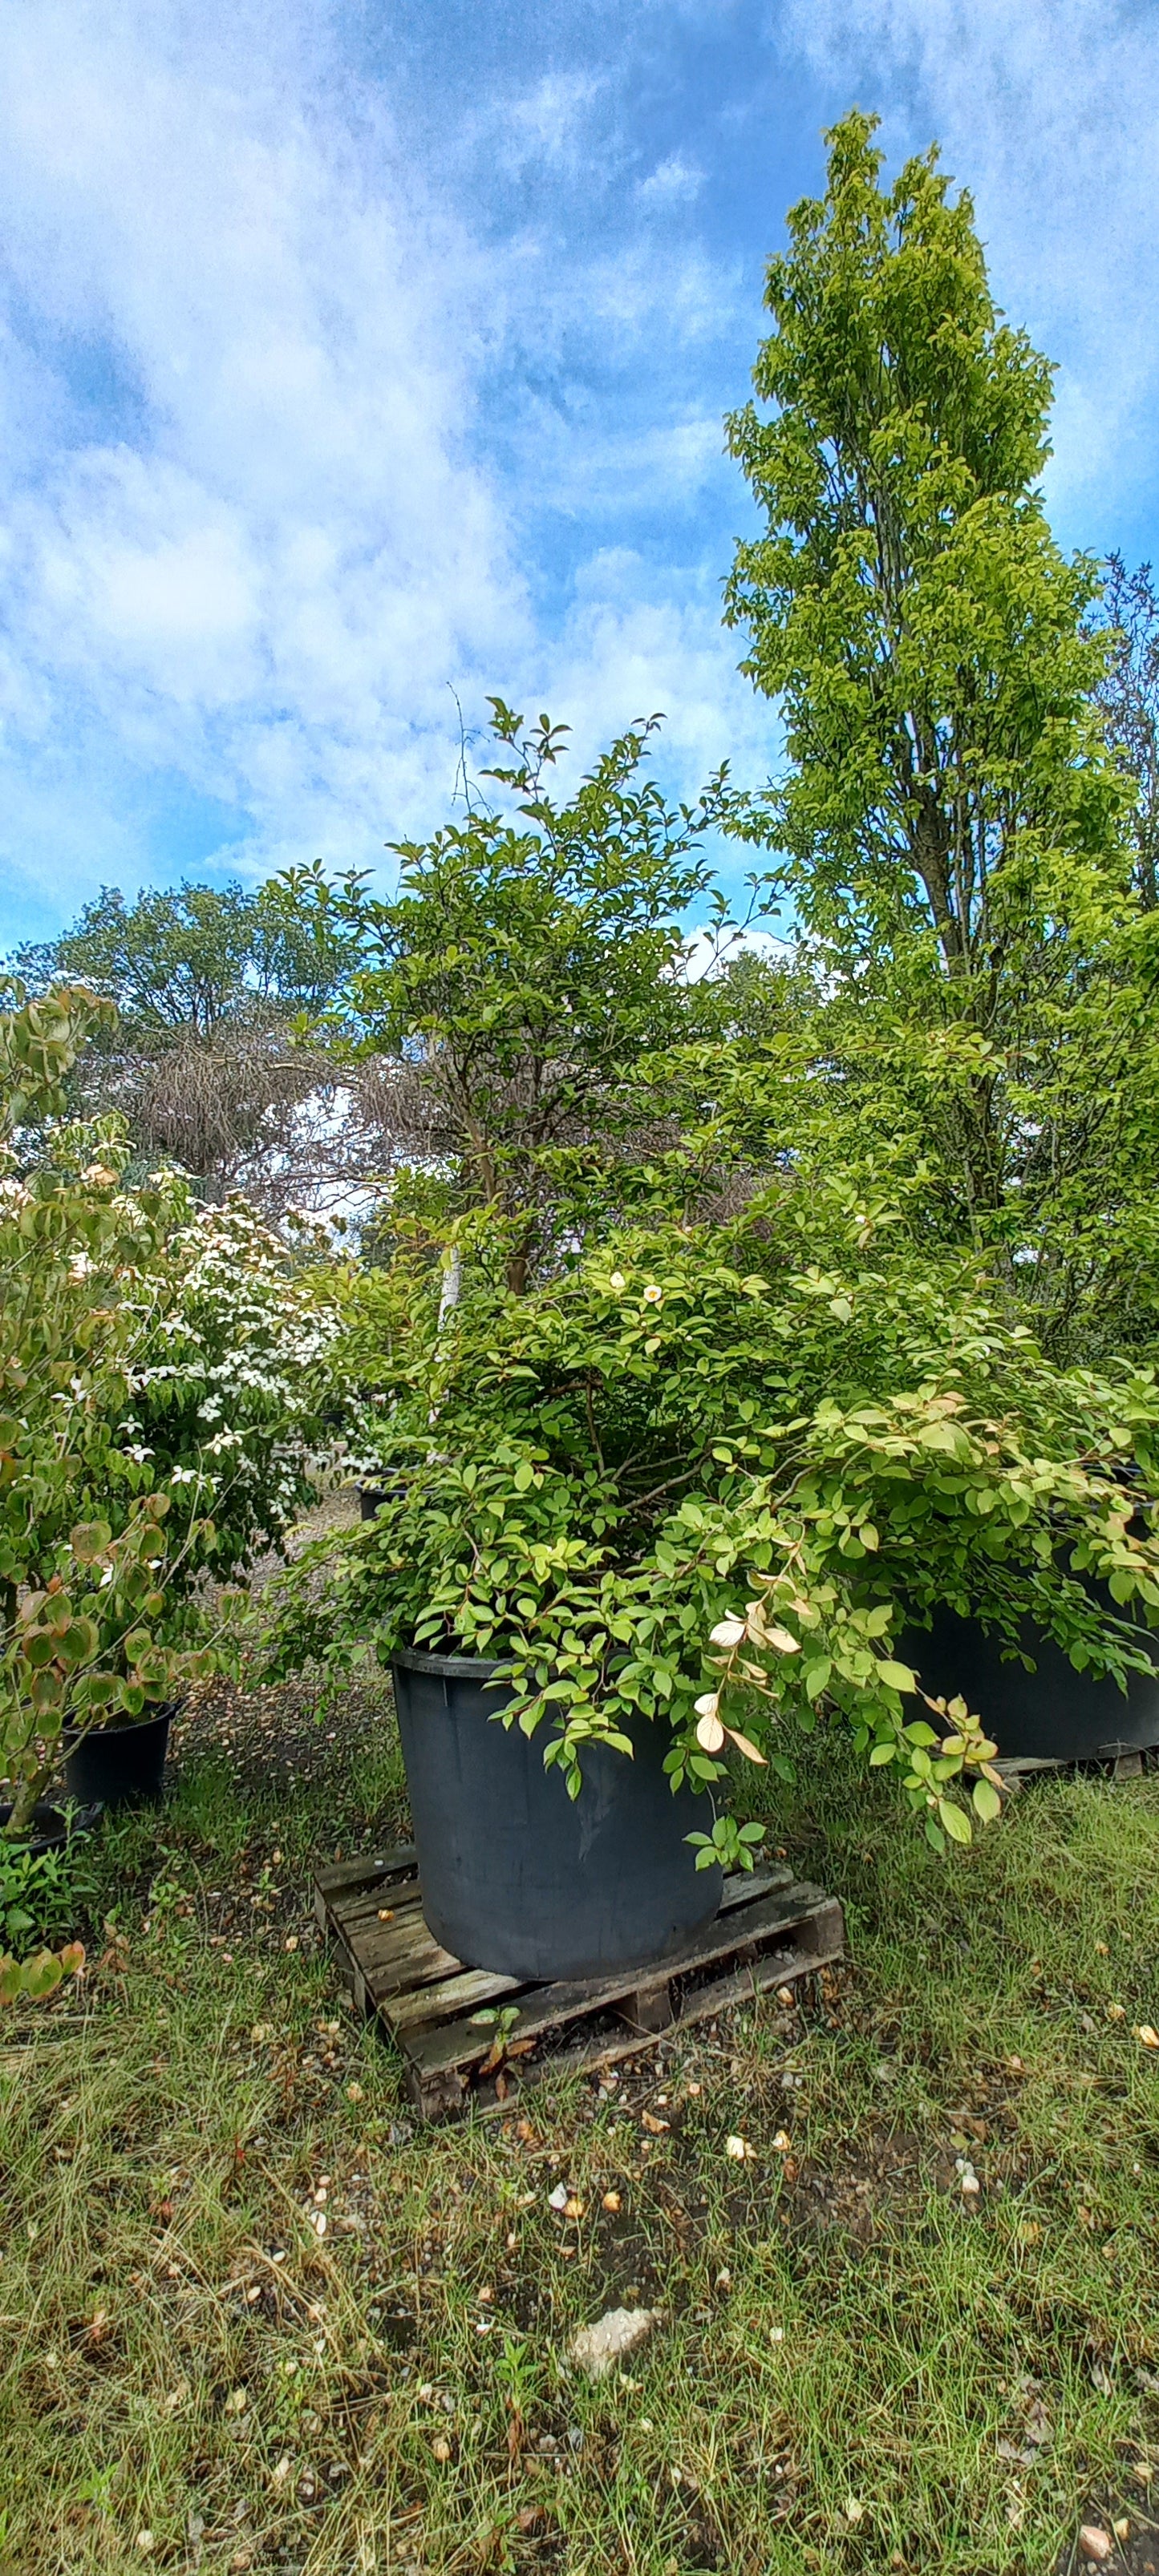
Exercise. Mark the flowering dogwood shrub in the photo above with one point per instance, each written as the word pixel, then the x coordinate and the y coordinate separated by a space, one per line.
pixel 228 1397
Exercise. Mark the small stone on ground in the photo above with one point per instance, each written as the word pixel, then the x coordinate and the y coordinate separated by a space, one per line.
pixel 597 2348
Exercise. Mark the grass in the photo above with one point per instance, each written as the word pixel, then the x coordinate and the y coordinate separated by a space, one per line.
pixel 860 2366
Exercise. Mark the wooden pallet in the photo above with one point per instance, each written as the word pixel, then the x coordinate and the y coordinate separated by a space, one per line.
pixel 1018 1768
pixel 769 1930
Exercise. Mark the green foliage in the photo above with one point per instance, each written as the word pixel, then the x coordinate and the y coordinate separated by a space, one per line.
pixel 1128 695
pixel 41 1893
pixel 951 824
pixel 707 1476
pixel 526 965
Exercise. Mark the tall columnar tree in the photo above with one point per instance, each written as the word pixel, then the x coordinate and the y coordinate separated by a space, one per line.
pixel 952 822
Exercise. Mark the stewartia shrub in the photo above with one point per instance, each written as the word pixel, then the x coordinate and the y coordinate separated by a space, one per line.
pixel 709 1475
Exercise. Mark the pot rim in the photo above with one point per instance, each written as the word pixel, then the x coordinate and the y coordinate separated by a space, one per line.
pixel 163 1714
pixel 451 1667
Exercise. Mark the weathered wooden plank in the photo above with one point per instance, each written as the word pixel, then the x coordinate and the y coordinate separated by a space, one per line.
pixel 383 1947
pixel 397 1902
pixel 548 2006
pixel 342 1876
pixel 748 1884
pixel 421 1965
pixel 649 2008
pixel 453 1995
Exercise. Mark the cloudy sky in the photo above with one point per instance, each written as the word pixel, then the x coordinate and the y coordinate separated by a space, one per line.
pixel 354 357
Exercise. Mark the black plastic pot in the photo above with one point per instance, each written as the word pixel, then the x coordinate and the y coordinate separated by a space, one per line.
pixel 50 1830
pixel 120 1766
pixel 518 1877
pixel 1050 1715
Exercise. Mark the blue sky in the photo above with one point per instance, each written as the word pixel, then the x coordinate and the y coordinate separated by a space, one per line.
pixel 350 357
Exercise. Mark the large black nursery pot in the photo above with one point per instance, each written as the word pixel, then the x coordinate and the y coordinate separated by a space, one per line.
pixel 372 1497
pixel 518 1877
pixel 49 1831
pixel 120 1766
pixel 1053 1714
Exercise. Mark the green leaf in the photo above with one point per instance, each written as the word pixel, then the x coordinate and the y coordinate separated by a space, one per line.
pixel 987 1802
pixel 955 1820
pixel 897 1677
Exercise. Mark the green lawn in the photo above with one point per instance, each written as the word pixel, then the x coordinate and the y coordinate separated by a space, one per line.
pixel 859 2366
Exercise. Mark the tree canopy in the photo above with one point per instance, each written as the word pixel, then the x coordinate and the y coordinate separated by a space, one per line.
pixel 189 958
pixel 206 1054
pixel 952 822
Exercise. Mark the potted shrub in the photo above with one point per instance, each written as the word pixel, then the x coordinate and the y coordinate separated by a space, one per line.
pixel 162 1386
pixel 674 1508
pixel 83 1596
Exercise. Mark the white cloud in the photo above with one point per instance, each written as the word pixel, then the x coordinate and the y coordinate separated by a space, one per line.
pixel 673 182
pixel 640 642
pixel 267 582
pixel 547 123
pixel 1049 112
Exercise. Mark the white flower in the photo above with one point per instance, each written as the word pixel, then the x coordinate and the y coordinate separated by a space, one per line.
pixel 653 1296
pixel 617 1281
